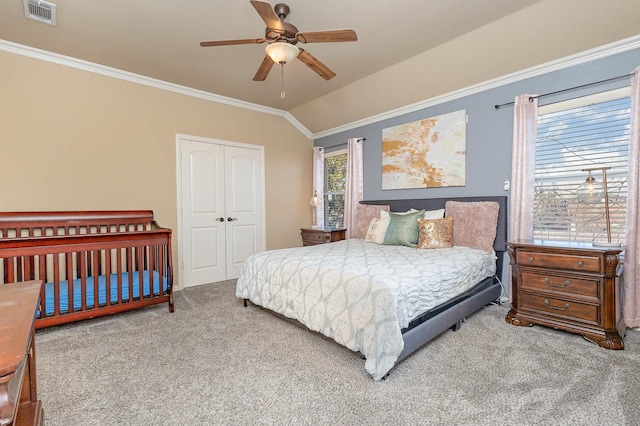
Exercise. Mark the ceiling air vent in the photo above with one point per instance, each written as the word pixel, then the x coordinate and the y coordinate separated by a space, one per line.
pixel 40 11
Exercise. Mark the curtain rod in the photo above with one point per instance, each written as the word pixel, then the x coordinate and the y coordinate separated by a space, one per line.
pixel 531 98
pixel 343 144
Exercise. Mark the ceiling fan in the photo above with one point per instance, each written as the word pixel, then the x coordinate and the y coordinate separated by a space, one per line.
pixel 282 38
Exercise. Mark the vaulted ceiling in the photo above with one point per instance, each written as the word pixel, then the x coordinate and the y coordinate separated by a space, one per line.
pixel 160 39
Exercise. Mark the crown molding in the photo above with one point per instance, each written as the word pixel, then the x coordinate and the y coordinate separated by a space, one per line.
pixel 566 62
pixel 556 65
pixel 67 61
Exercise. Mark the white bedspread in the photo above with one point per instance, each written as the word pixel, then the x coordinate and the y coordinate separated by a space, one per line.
pixel 359 293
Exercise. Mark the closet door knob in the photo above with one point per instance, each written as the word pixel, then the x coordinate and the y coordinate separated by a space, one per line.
pixel 231 219
pixel 220 219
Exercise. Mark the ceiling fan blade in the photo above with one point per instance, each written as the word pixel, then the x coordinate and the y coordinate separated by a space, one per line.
pixel 268 15
pixel 320 68
pixel 264 69
pixel 327 36
pixel 231 42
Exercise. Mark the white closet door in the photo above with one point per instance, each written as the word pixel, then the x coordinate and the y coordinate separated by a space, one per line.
pixel 244 206
pixel 222 211
pixel 203 213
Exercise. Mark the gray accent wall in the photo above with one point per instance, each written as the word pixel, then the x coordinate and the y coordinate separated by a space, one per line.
pixel 489 131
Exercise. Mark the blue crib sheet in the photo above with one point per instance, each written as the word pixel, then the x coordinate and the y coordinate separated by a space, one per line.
pixel 102 290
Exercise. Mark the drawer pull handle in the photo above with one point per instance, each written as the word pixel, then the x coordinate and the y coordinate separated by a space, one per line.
pixel 580 264
pixel 531 259
pixel 556 308
pixel 563 285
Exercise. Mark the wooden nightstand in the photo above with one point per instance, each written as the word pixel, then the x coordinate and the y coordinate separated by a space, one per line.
pixel 568 286
pixel 313 236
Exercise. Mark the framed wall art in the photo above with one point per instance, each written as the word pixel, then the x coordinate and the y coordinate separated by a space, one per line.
pixel 428 153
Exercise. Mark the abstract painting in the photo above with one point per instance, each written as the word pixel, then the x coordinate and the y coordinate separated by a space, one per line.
pixel 428 153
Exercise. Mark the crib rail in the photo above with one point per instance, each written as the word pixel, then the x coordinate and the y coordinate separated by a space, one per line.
pixel 92 274
pixel 32 224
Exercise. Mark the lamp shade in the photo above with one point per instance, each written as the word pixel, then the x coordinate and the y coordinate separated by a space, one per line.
pixel 590 191
pixel 281 52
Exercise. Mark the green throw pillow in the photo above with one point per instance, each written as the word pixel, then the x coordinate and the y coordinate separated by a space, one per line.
pixel 403 229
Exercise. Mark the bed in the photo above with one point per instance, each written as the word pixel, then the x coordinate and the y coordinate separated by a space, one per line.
pixel 384 300
pixel 91 263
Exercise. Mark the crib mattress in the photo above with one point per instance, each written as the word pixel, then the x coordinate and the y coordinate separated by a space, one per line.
pixel 63 297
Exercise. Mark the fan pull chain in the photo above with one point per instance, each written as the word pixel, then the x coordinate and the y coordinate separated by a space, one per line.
pixel 282 94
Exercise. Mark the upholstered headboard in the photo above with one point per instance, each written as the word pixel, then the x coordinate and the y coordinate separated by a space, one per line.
pixel 500 243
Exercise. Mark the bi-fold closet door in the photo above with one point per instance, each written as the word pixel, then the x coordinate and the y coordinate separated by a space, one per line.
pixel 222 209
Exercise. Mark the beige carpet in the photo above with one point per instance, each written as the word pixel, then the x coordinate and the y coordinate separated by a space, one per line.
pixel 214 362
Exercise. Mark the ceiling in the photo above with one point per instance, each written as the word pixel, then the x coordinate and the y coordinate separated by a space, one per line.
pixel 160 39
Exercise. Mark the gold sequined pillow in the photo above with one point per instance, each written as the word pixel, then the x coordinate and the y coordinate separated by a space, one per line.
pixel 435 233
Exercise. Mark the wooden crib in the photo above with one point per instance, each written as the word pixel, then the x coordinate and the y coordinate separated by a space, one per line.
pixel 92 263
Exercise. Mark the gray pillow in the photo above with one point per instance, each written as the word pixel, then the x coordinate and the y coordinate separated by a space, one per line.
pixel 403 229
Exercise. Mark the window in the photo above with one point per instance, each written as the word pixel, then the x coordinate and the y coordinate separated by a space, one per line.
pixel 335 176
pixel 589 132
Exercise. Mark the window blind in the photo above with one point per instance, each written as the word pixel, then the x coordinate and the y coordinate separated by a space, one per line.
pixel 594 134
pixel 335 174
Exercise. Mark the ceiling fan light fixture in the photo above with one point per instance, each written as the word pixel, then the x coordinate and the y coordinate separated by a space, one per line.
pixel 282 52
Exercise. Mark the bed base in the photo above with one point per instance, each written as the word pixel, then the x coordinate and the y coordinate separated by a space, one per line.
pixel 450 315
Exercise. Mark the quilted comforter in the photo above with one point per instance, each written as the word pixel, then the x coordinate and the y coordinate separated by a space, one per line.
pixel 359 293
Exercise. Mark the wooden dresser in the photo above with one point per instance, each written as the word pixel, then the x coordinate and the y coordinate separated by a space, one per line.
pixel 568 286
pixel 19 404
pixel 312 236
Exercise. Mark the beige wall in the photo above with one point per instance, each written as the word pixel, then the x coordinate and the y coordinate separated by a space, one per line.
pixel 75 140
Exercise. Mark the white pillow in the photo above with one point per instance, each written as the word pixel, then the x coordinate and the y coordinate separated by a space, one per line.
pixel 377 230
pixel 386 215
pixel 429 214
pixel 434 214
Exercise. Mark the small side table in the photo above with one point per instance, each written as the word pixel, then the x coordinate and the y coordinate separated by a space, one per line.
pixel 313 236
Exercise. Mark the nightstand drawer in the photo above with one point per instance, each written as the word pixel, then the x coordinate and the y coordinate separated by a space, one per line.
pixel 313 236
pixel 572 285
pixel 558 261
pixel 562 308
pixel 316 237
